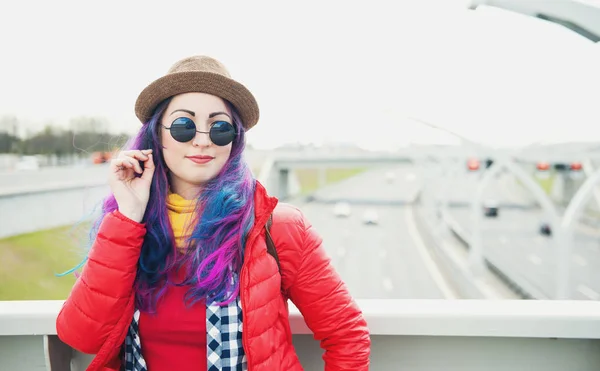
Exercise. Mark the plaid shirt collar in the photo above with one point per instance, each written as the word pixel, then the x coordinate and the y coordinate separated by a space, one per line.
pixel 224 350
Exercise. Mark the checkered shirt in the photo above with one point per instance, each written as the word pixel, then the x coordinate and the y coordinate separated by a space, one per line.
pixel 223 339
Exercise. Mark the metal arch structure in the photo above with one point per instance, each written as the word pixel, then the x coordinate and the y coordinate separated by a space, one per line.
pixel 563 227
pixel 565 237
pixel 476 258
pixel 579 16
pixel 588 169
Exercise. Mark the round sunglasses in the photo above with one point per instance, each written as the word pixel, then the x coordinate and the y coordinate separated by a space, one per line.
pixel 183 129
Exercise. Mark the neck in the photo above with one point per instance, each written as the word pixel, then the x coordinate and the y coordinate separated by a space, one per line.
pixel 186 190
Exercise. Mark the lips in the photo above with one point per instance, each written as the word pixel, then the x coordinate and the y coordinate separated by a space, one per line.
pixel 200 159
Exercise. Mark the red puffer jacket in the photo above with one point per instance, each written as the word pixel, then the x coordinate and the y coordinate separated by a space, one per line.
pixel 96 315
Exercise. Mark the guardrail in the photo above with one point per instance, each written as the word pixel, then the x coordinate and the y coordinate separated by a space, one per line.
pixel 514 281
pixel 418 335
pixel 453 260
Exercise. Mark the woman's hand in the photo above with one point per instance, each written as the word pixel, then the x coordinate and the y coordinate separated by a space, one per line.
pixel 132 192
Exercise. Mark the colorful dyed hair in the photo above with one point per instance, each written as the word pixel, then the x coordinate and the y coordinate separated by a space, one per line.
pixel 217 241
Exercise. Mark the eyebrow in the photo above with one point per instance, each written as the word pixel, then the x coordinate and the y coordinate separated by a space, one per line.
pixel 186 111
pixel 193 114
pixel 217 114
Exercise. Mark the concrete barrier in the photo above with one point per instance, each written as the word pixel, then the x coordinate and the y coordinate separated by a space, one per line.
pixel 31 209
pixel 417 335
pixel 54 197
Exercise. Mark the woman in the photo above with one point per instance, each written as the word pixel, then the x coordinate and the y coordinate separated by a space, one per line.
pixel 180 252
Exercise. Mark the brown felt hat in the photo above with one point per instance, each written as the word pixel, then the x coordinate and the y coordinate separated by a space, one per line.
pixel 198 74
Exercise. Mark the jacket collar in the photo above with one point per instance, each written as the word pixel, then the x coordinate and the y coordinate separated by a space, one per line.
pixel 263 205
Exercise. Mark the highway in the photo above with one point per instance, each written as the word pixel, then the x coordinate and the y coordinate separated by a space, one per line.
pixel 385 261
pixel 460 186
pixel 513 240
pixel 390 260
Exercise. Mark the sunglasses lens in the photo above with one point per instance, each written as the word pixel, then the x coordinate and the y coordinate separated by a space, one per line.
pixel 183 129
pixel 222 133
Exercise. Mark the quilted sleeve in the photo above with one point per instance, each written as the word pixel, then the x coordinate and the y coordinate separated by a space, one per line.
pixel 100 295
pixel 326 305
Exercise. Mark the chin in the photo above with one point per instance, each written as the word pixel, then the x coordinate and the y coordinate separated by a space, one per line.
pixel 202 180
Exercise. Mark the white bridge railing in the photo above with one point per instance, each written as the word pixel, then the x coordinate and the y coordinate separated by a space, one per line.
pixel 416 335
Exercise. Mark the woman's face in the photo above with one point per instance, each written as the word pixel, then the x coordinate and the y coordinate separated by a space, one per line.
pixel 195 162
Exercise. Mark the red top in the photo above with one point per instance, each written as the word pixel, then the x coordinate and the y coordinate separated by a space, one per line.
pixel 175 337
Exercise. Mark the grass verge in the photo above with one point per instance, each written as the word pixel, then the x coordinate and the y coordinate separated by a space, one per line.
pixel 30 262
pixel 546 183
pixel 309 178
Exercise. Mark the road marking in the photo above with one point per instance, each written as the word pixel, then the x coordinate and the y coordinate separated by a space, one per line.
pixel 579 260
pixel 535 259
pixel 341 252
pixel 503 240
pixel 539 240
pixel 433 269
pixel 411 177
pixel 387 284
pixel 382 254
pixel 587 292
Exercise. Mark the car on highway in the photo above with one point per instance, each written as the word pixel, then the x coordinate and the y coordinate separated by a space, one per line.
pixel 545 229
pixel 390 176
pixel 27 163
pixel 370 217
pixel 342 210
pixel 490 208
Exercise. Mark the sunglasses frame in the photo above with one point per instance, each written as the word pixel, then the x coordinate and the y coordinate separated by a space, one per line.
pixel 235 133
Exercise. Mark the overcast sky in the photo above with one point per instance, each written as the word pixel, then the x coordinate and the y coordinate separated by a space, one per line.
pixel 321 71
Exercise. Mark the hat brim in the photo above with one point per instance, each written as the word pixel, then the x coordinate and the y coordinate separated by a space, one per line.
pixel 202 82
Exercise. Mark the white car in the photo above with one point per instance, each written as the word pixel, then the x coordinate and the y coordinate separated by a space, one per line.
pixel 371 217
pixel 390 176
pixel 342 210
pixel 27 163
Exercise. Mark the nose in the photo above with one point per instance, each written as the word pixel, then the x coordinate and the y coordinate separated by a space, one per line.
pixel 201 139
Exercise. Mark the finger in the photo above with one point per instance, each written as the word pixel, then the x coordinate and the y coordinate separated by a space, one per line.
pixel 135 163
pixel 148 168
pixel 136 153
pixel 126 163
pixel 117 164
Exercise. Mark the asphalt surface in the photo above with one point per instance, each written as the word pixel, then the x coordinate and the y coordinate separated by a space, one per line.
pixel 513 240
pixel 384 261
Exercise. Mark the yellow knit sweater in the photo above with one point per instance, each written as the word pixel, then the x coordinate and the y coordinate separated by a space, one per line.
pixel 182 216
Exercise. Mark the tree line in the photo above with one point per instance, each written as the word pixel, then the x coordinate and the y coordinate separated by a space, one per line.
pixel 83 135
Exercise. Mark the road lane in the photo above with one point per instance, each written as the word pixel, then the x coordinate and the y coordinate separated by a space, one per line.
pixel 513 239
pixel 376 261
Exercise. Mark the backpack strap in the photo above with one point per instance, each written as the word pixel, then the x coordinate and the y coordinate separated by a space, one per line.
pixel 270 244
